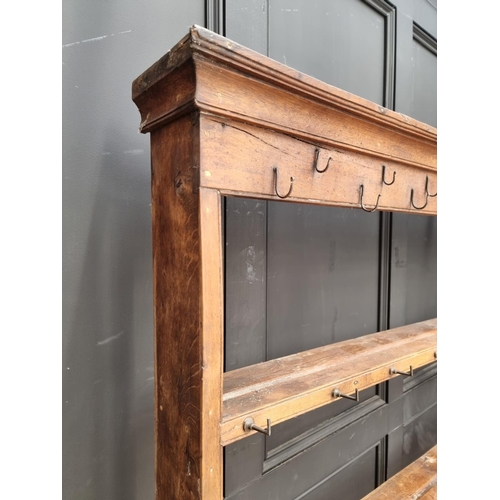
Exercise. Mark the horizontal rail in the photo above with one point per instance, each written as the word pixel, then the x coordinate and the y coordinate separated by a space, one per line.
pixel 286 387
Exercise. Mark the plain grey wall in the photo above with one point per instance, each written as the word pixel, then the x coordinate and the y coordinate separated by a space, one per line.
pixel 107 290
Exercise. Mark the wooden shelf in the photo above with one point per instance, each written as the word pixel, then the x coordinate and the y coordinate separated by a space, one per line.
pixel 418 481
pixel 286 387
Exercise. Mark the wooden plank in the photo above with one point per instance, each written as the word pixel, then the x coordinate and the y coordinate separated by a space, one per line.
pixel 417 481
pixel 188 327
pixel 238 159
pixel 212 348
pixel 431 494
pixel 283 388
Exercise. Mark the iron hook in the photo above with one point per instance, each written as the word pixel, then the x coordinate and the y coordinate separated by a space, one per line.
pixel 427 186
pixel 383 177
pixel 249 425
pixel 424 205
pixel 361 198
pixel 315 164
pixel 337 394
pixel 393 371
pixel 275 169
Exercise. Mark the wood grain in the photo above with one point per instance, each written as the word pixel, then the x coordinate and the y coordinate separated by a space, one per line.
pixel 417 481
pixel 238 159
pixel 188 328
pixel 212 335
pixel 431 494
pixel 286 387
pixel 262 114
pixel 232 95
pixel 206 46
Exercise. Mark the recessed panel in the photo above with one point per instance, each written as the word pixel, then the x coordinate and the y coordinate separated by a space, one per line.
pixel 341 43
pixel 413 269
pixel 322 276
pixel 424 103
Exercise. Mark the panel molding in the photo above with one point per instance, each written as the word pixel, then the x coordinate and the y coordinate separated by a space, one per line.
pixel 384 297
pixel 338 471
pixel 425 373
pixel 418 415
pixel 425 39
pixel 389 12
pixel 308 439
pixel 215 15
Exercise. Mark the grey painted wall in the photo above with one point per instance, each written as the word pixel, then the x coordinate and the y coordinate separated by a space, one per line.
pixel 107 290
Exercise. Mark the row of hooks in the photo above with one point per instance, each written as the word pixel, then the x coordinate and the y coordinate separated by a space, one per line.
pixel 249 424
pixel 361 187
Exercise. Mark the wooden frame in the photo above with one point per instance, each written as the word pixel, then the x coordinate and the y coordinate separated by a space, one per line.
pixel 225 120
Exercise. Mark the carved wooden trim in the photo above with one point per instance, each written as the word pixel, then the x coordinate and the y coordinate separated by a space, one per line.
pixel 206 46
pixel 233 85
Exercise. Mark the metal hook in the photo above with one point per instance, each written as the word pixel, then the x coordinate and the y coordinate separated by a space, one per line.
pixel 337 394
pixel 361 198
pixel 383 177
pixel 315 165
pixel 393 371
pixel 248 425
pixel 424 205
pixel 275 169
pixel 427 186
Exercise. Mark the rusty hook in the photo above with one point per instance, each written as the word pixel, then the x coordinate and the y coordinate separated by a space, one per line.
pixel 383 177
pixel 423 206
pixel 361 202
pixel 315 164
pixel 427 188
pixel 275 169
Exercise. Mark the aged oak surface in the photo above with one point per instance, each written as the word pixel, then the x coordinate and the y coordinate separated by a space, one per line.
pixel 187 264
pixel 417 481
pixel 286 387
pixel 258 114
pixel 225 120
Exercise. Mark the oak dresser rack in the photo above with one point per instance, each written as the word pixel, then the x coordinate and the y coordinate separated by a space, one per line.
pixel 227 121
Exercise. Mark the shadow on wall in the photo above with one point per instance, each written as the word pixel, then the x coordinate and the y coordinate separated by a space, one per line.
pixel 108 421
pixel 108 381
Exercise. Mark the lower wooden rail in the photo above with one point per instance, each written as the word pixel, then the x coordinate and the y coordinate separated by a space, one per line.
pixel 418 481
pixel 283 388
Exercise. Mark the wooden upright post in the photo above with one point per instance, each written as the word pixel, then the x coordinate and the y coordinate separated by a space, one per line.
pixel 187 261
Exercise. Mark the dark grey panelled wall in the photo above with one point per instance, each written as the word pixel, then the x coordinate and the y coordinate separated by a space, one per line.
pixel 300 276
pixel 107 289
pixel 107 280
